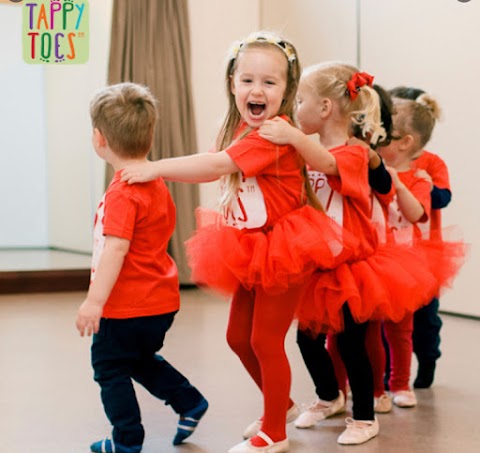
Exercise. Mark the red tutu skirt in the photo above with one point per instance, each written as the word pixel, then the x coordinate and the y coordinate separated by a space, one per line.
pixel 396 280
pixel 223 257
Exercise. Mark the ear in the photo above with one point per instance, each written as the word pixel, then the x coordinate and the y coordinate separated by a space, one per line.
pixel 326 107
pixel 407 143
pixel 232 85
pixel 99 138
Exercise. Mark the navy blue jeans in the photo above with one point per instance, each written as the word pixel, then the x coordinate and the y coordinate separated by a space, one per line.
pixel 426 332
pixel 125 349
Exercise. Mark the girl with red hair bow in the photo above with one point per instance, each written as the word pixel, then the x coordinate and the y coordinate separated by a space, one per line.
pixel 381 281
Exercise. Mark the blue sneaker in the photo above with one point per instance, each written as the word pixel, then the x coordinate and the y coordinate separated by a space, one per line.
pixel 107 446
pixel 189 421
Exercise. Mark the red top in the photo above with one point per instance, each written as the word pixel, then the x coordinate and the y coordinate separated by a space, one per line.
pixel 401 228
pixel 272 183
pixel 437 169
pixel 346 198
pixel 145 215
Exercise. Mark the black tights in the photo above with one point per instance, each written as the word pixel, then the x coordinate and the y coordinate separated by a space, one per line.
pixel 351 345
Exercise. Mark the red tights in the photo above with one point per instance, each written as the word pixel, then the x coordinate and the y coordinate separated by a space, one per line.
pixel 399 339
pixel 256 332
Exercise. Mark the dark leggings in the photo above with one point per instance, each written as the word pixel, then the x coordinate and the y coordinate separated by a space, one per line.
pixel 426 332
pixel 351 345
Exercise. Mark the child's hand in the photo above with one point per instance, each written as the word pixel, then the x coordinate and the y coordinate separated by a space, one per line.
pixel 277 131
pixel 395 179
pixel 88 318
pixel 139 173
pixel 420 173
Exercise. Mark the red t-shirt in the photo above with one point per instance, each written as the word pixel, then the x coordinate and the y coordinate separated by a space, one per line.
pixel 346 198
pixel 272 183
pixel 145 215
pixel 437 169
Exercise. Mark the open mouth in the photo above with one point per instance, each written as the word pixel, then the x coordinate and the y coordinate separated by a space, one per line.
pixel 256 109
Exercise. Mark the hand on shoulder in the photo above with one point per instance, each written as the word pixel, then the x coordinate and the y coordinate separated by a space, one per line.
pixel 278 131
pixel 135 173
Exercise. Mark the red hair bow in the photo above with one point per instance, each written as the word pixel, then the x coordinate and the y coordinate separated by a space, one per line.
pixel 358 80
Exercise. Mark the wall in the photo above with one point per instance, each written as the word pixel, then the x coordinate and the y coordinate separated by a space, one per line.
pixel 51 181
pixel 23 171
pixel 76 174
pixel 433 44
pixel 214 27
pixel 320 29
pixel 438 52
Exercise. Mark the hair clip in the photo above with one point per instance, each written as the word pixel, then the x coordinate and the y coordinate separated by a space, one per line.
pixel 286 48
pixel 357 81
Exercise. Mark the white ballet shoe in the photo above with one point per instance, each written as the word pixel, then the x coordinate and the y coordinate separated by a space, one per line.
pixel 253 428
pixel 271 447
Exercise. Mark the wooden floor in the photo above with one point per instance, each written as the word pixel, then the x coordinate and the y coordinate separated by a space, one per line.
pixel 49 402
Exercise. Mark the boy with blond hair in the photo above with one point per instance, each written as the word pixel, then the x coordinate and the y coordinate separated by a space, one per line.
pixel 134 291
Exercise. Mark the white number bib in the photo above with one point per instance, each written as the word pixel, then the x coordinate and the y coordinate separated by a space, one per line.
pixel 249 210
pixel 331 201
pixel 98 237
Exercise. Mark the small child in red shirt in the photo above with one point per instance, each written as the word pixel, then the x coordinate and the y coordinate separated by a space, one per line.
pixel 426 321
pixel 134 290
pixel 413 125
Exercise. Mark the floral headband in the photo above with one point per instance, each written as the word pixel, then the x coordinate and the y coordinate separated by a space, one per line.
pixel 284 46
pixel 357 81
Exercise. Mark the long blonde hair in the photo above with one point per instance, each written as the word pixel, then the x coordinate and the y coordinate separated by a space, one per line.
pixel 331 80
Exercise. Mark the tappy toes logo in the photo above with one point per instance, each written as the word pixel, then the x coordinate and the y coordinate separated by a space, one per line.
pixel 56 31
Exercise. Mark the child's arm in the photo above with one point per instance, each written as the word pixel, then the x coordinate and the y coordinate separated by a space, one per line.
pixel 194 168
pixel 411 208
pixel 379 178
pixel 279 131
pixel 106 274
pixel 440 197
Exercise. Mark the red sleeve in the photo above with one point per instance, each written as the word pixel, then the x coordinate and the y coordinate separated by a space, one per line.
pixel 120 215
pixel 386 198
pixel 439 174
pixel 352 164
pixel 252 153
pixel 435 166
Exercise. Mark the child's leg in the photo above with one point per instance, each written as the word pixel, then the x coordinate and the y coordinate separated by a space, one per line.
pixel 111 361
pixel 157 375
pixel 386 378
pixel 239 332
pixel 338 365
pixel 399 337
pixel 376 355
pixel 426 342
pixel 319 365
pixel 351 344
pixel 272 318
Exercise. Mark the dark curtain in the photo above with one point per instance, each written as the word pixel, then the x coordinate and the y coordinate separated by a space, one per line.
pixel 150 44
